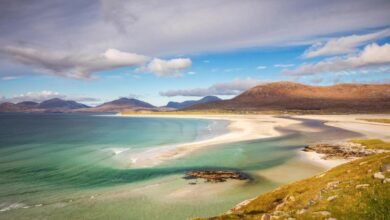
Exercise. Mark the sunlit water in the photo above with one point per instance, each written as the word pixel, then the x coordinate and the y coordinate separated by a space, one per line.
pixel 69 166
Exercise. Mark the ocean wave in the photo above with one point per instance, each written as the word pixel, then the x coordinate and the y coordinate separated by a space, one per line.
pixel 12 206
pixel 117 150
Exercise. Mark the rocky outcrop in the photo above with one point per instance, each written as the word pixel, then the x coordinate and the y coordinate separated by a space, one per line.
pixel 346 150
pixel 215 176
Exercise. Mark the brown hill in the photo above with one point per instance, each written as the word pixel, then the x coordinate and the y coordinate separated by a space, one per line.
pixel 289 96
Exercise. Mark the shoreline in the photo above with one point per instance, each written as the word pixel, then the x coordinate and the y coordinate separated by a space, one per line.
pixel 252 127
pixel 240 128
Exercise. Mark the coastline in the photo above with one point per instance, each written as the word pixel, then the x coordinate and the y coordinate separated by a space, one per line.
pixel 251 127
pixel 240 128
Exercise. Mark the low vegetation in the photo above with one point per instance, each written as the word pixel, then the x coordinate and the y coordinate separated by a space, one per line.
pixel 373 143
pixel 357 190
pixel 378 120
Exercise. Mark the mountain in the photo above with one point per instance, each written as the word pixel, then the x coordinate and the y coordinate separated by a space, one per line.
pixel 289 96
pixel 128 103
pixel 9 107
pixel 186 104
pixel 27 104
pixel 51 105
pixel 57 103
pixel 122 104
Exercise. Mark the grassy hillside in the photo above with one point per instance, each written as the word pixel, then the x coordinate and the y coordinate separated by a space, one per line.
pixel 373 143
pixel 348 191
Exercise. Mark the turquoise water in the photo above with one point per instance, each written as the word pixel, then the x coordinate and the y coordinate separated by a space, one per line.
pixel 64 166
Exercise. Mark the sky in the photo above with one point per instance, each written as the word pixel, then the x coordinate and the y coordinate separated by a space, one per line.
pixel 158 51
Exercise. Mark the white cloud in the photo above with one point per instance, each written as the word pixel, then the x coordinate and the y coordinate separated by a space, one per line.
pixel 191 73
pixel 119 58
pixel 343 45
pixel 371 56
pixel 45 95
pixel 37 96
pixel 261 67
pixel 283 65
pixel 183 26
pixel 167 67
pixel 80 66
pixel 233 87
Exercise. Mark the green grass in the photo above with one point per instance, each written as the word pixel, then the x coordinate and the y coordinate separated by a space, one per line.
pixel 379 120
pixel 373 143
pixel 372 202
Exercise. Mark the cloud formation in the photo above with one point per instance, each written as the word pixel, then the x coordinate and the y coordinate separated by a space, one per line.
pixel 83 65
pixel 182 26
pixel 371 56
pixel 343 45
pixel 45 95
pixel 168 67
pixel 79 66
pixel 233 87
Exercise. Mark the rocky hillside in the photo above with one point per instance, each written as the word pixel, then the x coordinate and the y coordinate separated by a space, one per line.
pixel 186 104
pixel 356 190
pixel 289 96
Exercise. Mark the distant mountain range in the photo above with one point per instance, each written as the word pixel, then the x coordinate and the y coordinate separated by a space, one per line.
pixel 122 104
pixel 60 105
pixel 51 105
pixel 279 96
pixel 186 104
pixel 289 96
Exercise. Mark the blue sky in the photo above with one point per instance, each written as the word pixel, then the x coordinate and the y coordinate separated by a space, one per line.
pixel 144 53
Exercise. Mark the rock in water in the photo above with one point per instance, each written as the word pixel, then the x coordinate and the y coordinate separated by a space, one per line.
pixel 216 175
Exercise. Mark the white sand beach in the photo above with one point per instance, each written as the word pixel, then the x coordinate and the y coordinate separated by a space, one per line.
pixel 367 130
pixel 241 128
pixel 251 127
pixel 354 123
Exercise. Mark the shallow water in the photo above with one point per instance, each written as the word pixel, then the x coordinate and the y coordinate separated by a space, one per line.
pixel 69 166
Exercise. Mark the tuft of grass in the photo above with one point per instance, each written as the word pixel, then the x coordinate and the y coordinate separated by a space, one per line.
pixel 311 195
pixel 378 120
pixel 373 143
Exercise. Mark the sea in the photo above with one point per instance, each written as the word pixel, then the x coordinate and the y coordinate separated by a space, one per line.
pixel 72 166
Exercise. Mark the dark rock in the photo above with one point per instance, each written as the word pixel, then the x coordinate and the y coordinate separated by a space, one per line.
pixel 336 151
pixel 215 176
